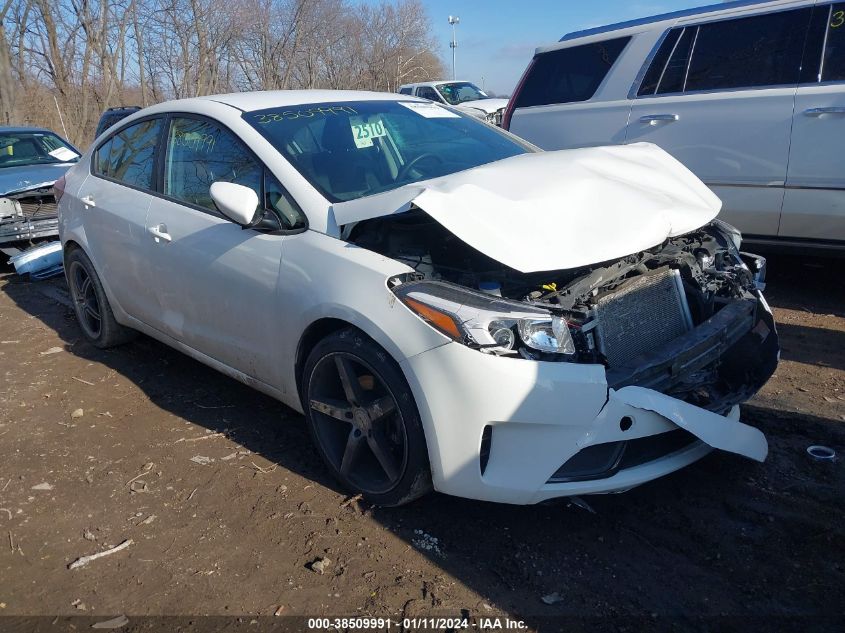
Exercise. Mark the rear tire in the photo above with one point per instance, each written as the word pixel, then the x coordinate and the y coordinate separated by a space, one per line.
pixel 93 312
pixel 363 419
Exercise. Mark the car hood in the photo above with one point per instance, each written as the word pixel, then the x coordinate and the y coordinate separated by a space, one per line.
pixel 488 106
pixel 24 177
pixel 557 210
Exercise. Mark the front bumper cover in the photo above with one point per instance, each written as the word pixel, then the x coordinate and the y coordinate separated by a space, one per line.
pixel 527 418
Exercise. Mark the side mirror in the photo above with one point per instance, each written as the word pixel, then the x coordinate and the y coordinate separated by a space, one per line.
pixel 236 202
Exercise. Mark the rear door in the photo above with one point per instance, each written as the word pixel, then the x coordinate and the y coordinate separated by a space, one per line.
pixel 114 200
pixel 718 96
pixel 814 203
pixel 558 103
pixel 215 282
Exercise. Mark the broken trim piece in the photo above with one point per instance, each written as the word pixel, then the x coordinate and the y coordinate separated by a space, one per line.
pixel 715 430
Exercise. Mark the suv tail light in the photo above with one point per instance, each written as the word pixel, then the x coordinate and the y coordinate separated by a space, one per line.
pixel 59 188
pixel 506 117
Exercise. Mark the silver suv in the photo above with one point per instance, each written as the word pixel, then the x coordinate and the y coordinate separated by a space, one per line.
pixel 749 95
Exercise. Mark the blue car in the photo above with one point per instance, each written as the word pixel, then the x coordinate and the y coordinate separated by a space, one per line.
pixel 31 160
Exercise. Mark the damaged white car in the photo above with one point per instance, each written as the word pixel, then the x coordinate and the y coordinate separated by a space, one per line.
pixel 449 306
pixel 31 160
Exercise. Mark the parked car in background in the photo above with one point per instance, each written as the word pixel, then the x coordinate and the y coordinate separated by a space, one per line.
pixel 31 160
pixel 112 116
pixel 749 95
pixel 464 95
pixel 447 304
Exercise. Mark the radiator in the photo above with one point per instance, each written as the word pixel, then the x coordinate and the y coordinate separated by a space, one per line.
pixel 642 314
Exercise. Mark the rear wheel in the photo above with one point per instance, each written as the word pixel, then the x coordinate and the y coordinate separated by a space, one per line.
pixel 93 311
pixel 363 419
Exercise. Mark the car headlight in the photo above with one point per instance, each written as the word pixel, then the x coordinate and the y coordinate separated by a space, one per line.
pixel 495 117
pixel 485 321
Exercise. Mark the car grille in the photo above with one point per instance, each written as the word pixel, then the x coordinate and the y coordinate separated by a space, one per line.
pixel 38 207
pixel 641 315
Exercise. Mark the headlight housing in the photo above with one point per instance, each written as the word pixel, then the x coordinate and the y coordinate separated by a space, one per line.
pixel 487 322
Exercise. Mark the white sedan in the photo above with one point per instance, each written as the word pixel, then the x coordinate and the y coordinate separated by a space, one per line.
pixel 449 306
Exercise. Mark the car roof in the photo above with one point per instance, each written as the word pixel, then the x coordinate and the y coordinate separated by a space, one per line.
pixel 436 83
pixel 673 15
pixel 11 129
pixel 262 99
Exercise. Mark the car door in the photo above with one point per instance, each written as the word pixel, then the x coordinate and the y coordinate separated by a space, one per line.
pixel 215 282
pixel 719 97
pixel 814 202
pixel 115 200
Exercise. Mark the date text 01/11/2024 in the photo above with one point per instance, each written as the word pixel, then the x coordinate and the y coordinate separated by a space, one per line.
pixel 415 624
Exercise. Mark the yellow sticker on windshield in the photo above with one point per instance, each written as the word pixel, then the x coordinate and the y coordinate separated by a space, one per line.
pixel 365 131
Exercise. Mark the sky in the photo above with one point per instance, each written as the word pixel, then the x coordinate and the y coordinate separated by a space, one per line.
pixel 497 38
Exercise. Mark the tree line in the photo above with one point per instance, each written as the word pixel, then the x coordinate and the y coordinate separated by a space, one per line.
pixel 62 62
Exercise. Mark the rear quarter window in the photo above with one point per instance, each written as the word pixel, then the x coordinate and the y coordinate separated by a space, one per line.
pixel 569 74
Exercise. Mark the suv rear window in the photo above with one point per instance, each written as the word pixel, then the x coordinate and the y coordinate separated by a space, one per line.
pixel 569 74
pixel 761 50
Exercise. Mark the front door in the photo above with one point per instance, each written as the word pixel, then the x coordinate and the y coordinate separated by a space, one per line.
pixel 215 282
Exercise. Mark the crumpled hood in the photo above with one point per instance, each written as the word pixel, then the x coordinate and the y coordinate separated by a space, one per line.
pixel 23 177
pixel 557 210
pixel 488 106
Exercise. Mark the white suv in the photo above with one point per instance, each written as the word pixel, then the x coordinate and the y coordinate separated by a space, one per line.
pixel 749 95
pixel 464 95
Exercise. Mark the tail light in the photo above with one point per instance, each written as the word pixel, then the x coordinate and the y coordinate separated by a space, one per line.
pixel 506 117
pixel 59 188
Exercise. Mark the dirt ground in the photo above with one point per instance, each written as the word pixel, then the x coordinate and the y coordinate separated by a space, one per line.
pixel 227 505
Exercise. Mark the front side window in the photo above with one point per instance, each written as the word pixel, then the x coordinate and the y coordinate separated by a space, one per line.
pixel 200 153
pixel 460 92
pixel 569 74
pixel 34 148
pixel 354 149
pixel 129 155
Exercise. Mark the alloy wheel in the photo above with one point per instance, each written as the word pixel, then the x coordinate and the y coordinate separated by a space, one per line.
pixel 357 422
pixel 85 299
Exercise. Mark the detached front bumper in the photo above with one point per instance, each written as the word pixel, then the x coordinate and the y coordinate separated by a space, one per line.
pixel 516 431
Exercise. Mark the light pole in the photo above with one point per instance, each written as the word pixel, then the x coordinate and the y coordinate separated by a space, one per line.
pixel 453 20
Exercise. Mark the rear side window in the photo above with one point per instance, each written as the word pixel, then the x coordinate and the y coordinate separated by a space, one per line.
pixel 427 92
pixel 569 74
pixel 761 50
pixel 200 153
pixel 129 155
pixel 405 91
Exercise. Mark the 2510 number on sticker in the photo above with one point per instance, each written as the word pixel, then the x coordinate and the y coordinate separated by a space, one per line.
pixel 364 133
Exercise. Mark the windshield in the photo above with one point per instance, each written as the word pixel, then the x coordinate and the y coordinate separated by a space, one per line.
pixel 461 91
pixel 34 148
pixel 354 149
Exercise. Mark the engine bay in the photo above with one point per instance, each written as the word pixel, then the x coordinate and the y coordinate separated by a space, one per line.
pixel 619 314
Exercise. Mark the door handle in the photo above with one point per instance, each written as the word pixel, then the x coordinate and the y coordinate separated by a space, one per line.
pixel 88 201
pixel 654 119
pixel 159 232
pixel 825 110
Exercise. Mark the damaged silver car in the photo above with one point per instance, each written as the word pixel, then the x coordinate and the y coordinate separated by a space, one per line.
pixel 31 160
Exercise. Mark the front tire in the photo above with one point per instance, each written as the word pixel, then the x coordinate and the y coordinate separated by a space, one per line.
pixel 93 312
pixel 363 419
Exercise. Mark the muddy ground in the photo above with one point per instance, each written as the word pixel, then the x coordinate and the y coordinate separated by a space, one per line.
pixel 226 503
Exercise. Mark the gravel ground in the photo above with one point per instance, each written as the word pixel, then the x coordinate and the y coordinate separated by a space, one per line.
pixel 227 506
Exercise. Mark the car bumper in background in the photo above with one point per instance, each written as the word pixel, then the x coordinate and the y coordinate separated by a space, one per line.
pixel 21 230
